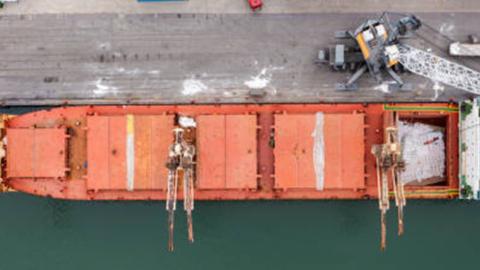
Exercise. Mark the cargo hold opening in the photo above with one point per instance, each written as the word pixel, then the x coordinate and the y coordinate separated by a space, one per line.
pixel 424 149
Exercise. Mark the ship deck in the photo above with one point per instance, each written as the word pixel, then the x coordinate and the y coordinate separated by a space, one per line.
pixel 283 151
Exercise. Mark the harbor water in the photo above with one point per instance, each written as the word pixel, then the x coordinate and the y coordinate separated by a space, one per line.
pixel 43 233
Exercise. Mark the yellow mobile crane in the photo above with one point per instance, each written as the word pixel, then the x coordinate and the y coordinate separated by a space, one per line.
pixel 377 46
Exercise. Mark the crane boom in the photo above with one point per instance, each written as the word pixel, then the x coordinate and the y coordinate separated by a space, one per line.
pixel 439 69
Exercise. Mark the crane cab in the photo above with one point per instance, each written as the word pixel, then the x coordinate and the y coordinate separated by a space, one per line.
pixel 372 38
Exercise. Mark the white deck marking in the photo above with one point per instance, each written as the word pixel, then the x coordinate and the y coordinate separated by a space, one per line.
pixel 130 152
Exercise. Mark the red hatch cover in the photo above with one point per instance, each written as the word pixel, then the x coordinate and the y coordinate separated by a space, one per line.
pixel 343 151
pixel 128 152
pixel 36 153
pixel 227 152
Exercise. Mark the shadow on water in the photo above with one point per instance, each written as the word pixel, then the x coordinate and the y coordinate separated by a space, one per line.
pixel 41 233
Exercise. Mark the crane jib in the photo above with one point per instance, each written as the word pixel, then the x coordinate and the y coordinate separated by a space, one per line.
pixel 439 69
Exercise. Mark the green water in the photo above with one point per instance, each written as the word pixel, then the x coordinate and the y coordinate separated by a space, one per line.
pixel 39 233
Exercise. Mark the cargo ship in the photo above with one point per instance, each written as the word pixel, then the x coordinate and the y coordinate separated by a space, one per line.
pixel 245 152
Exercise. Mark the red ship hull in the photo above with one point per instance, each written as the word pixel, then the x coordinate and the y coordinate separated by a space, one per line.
pixel 244 152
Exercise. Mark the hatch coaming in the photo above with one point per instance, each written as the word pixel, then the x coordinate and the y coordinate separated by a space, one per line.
pixel 244 158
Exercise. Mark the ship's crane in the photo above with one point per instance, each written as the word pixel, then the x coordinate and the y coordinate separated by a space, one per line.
pixel 180 163
pixel 389 163
pixel 376 46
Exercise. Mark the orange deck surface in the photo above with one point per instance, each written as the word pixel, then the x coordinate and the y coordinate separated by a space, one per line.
pixel 294 151
pixel 343 150
pixel 243 151
pixel 36 153
pixel 227 148
pixel 106 150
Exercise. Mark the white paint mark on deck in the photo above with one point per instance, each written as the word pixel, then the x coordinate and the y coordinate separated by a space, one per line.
pixel 262 79
pixel 130 152
pixel 258 82
pixel 103 88
pixel 384 87
pixel 154 72
pixel 447 28
pixel 437 87
pixel 193 87
pixel 105 46
pixel 319 152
